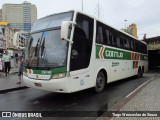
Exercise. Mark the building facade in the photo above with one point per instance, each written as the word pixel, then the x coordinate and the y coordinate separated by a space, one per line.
pixel 8 34
pixel 132 30
pixel 20 16
pixel 2 41
pixel 153 43
pixel 0 15
pixel 153 51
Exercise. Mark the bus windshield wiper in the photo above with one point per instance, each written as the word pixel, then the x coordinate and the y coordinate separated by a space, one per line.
pixel 43 47
pixel 29 47
pixel 37 47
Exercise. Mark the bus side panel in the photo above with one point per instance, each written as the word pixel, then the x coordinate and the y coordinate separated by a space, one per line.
pixel 82 79
pixel 116 69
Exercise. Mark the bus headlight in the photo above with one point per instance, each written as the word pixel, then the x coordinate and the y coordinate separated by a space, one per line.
pixel 59 75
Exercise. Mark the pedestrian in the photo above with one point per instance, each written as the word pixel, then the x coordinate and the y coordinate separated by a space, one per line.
pixel 20 71
pixel 7 62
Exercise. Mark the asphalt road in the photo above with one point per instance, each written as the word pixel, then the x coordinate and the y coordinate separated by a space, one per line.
pixel 86 101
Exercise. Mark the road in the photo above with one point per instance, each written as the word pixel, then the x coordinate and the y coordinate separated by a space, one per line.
pixel 38 100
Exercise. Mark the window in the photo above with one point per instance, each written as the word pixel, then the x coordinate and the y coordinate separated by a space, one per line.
pixel 82 43
pixel 114 39
pixel 106 34
pixel 118 41
pixel 121 42
pixel 99 38
pixel 110 37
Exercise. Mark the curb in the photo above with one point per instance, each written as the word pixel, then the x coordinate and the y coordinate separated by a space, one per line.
pixel 12 89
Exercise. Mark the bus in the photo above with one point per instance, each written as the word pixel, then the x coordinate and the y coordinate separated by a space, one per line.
pixel 72 51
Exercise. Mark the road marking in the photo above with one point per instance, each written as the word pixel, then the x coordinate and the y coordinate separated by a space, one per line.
pixel 137 88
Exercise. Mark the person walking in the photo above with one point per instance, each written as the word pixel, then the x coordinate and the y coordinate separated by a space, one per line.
pixel 20 72
pixel 7 62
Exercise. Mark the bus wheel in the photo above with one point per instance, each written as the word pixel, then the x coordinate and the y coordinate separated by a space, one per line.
pixel 100 82
pixel 141 73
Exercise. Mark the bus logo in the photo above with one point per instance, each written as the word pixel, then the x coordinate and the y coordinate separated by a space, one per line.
pixel 101 53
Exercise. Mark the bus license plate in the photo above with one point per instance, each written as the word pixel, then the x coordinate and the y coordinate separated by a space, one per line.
pixel 38 84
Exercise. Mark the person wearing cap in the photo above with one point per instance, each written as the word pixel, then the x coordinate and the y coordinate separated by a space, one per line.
pixel 7 62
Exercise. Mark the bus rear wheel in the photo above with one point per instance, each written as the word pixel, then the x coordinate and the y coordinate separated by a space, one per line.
pixel 140 73
pixel 100 82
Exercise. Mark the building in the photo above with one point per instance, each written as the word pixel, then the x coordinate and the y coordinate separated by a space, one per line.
pixel 132 30
pixel 20 16
pixel 2 41
pixel 153 45
pixel 0 15
pixel 8 34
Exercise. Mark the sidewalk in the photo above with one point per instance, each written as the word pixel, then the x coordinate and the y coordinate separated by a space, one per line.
pixel 144 100
pixel 9 83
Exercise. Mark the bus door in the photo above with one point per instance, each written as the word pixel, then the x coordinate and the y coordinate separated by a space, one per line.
pixel 81 53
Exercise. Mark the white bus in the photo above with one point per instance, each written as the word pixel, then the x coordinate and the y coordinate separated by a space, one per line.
pixel 71 51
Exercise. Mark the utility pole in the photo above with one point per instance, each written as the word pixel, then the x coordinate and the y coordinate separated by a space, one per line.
pixel 125 24
pixel 82 5
pixel 98 9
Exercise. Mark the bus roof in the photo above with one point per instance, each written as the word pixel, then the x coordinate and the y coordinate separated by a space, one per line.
pixel 76 11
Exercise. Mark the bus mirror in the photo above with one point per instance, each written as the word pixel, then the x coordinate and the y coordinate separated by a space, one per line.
pixel 16 38
pixel 66 28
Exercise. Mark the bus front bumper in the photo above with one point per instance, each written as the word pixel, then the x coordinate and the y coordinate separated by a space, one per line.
pixel 55 85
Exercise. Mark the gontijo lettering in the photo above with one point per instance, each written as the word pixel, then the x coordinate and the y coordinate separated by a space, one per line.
pixel 113 54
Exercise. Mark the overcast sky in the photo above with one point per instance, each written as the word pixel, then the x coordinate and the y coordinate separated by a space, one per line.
pixel 144 13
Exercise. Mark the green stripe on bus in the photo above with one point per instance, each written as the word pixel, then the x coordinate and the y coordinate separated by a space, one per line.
pixel 97 51
pixel 111 53
pixel 59 70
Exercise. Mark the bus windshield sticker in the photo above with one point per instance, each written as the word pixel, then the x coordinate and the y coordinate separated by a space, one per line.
pixel 45 34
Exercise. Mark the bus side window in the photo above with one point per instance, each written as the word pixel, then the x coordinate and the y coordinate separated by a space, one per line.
pixel 111 38
pixel 121 42
pixel 107 37
pixel 132 47
pixel 82 43
pixel 118 41
pixel 129 44
pixel 99 35
pixel 136 46
pixel 126 43
pixel 114 40
pixel 140 47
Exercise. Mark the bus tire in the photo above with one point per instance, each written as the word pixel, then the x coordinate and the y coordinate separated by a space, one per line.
pixel 100 82
pixel 141 73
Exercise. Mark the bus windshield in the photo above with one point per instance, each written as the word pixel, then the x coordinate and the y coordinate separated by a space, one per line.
pixel 51 21
pixel 45 49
